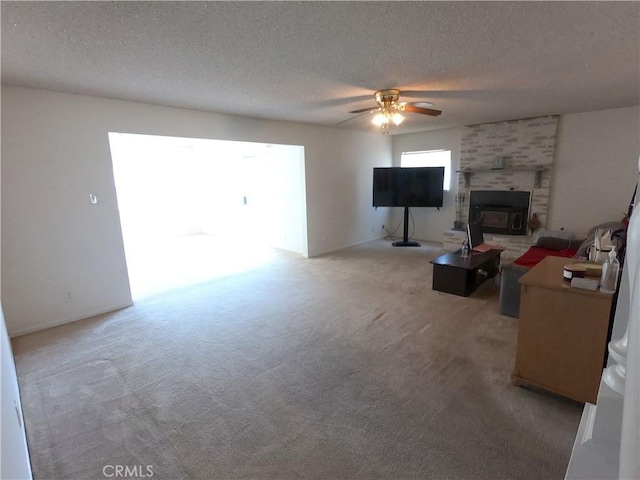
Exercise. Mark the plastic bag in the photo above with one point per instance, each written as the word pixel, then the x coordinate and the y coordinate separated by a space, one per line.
pixel 601 247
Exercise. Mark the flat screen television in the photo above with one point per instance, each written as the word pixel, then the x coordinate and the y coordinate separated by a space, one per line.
pixel 408 187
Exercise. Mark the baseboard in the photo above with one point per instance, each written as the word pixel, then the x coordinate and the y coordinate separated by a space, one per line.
pixel 344 246
pixel 432 243
pixel 76 318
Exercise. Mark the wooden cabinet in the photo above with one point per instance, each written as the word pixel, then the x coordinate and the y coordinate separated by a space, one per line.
pixel 562 333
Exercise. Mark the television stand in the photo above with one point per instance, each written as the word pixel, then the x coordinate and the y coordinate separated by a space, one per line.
pixel 406 244
pixel 405 238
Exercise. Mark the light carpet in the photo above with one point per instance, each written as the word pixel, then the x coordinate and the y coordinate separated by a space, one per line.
pixel 346 366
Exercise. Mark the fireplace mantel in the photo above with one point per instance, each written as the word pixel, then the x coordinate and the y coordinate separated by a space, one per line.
pixel 538 170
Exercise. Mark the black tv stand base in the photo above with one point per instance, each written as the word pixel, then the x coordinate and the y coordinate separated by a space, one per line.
pixel 406 244
pixel 405 238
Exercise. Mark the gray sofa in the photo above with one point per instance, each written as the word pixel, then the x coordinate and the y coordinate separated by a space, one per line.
pixel 510 289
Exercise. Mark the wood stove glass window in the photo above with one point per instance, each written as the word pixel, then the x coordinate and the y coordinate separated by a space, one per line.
pixel 495 219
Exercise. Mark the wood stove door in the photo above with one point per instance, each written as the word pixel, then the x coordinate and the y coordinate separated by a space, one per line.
pixel 504 220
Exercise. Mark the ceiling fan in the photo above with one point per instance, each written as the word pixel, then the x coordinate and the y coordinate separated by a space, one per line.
pixel 389 109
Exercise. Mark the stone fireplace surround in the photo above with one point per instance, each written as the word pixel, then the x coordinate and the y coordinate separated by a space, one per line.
pixel 527 148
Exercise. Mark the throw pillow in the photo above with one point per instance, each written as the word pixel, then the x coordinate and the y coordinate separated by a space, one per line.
pixel 554 243
pixel 552 234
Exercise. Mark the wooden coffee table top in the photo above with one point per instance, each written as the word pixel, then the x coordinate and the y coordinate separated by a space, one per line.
pixel 473 261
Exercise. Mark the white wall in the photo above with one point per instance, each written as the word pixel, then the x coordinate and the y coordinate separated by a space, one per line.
pixel 55 152
pixel 280 198
pixel 595 168
pixel 14 453
pixel 430 223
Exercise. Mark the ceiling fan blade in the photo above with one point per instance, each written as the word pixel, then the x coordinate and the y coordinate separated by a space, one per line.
pixel 343 121
pixel 338 102
pixel 370 109
pixel 424 93
pixel 423 111
pixel 441 94
pixel 422 104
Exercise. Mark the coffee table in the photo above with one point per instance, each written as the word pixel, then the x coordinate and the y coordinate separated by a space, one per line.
pixel 461 276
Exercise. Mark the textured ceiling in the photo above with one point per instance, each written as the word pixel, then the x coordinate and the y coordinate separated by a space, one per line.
pixel 313 62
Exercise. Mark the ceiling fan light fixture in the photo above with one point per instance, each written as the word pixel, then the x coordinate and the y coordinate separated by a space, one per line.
pixel 397 119
pixel 384 118
pixel 389 110
pixel 380 119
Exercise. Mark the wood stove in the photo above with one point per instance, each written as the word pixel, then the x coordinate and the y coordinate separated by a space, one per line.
pixel 504 212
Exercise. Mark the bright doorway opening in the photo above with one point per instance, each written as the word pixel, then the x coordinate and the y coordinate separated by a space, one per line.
pixel 193 210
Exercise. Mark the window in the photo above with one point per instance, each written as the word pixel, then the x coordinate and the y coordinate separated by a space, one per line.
pixel 429 158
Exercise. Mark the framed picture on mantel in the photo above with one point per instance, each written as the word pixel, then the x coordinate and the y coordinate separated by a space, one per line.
pixel 498 163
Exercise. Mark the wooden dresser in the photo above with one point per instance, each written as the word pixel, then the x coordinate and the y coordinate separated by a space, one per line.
pixel 562 333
